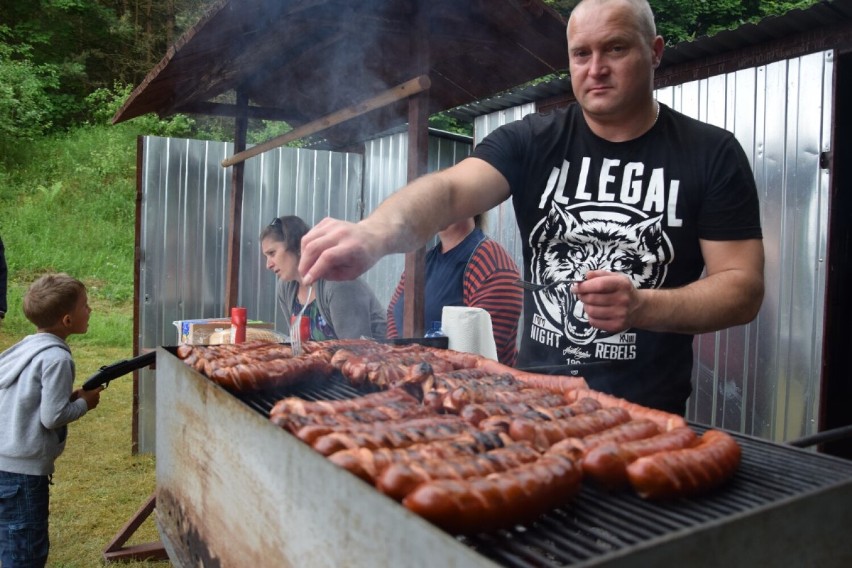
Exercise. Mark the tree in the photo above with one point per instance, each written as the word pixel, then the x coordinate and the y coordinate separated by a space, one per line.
pixel 25 107
pixel 90 44
pixel 684 20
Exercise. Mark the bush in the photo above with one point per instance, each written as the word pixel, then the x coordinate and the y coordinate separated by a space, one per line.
pixel 102 105
pixel 25 108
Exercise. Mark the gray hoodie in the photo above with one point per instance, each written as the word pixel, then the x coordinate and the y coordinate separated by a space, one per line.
pixel 350 306
pixel 36 382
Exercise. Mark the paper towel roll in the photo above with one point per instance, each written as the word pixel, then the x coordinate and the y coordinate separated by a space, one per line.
pixel 469 330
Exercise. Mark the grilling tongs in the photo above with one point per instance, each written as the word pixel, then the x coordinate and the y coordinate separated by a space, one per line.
pixel 118 369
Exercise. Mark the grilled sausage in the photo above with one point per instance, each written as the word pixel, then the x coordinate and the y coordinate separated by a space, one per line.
pixel 390 411
pixel 606 464
pixel 333 346
pixel 313 432
pixel 544 434
pixel 461 397
pixel 368 464
pixel 400 479
pixel 632 430
pixel 390 367
pixel 265 352
pixel 202 357
pixel 499 500
pixel 451 391
pixel 393 434
pixel 666 420
pixel 386 373
pixel 458 359
pixel 476 413
pixel 184 350
pixel 302 407
pixel 561 384
pixel 681 473
pixel 271 374
pixel 555 383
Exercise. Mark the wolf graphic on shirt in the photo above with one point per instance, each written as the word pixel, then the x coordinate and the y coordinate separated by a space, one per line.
pixel 569 242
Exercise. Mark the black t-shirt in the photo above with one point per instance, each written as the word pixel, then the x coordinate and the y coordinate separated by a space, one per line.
pixel 637 207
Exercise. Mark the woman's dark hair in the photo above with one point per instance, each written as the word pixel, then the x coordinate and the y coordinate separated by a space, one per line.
pixel 288 230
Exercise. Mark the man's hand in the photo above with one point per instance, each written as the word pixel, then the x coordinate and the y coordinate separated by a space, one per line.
pixel 729 294
pixel 609 300
pixel 338 250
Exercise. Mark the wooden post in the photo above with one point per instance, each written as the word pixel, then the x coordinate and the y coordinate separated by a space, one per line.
pixel 413 324
pixel 413 315
pixel 137 291
pixel 232 279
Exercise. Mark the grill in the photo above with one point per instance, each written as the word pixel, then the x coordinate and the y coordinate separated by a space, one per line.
pixel 283 504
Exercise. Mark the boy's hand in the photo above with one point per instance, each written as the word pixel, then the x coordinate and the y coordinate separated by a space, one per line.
pixel 92 397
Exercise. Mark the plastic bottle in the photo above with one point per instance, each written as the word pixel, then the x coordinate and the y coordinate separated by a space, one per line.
pixel 435 330
pixel 238 325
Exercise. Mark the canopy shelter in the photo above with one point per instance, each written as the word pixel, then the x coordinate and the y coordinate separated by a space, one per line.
pixel 341 72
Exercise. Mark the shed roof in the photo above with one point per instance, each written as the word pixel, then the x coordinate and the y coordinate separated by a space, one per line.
pixel 301 60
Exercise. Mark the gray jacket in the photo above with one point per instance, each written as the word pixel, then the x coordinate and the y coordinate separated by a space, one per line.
pixel 349 306
pixel 36 382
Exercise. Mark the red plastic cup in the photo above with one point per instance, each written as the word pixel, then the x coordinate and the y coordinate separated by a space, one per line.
pixel 238 325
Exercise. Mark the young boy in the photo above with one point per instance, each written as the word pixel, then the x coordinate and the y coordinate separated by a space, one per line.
pixel 36 404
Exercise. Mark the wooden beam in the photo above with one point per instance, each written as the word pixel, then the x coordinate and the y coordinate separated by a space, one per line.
pixel 115 551
pixel 407 89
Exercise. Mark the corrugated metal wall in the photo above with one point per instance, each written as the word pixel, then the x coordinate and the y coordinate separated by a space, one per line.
pixel 184 226
pixel 500 221
pixel 761 379
pixel 764 378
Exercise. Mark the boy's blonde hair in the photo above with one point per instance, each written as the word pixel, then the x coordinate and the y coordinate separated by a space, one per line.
pixel 51 297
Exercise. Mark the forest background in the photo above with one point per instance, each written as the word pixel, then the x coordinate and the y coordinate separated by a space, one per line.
pixel 67 199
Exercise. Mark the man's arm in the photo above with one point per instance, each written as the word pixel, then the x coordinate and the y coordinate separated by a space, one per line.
pixel 730 294
pixel 338 250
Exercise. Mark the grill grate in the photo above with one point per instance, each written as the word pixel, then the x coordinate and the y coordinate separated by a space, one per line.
pixel 599 524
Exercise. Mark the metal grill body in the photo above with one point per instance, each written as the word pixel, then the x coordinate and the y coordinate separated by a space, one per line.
pixel 235 490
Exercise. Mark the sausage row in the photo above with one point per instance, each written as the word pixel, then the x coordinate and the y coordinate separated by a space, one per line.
pixel 468 443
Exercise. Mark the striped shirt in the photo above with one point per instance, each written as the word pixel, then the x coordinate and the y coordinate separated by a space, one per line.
pixel 488 282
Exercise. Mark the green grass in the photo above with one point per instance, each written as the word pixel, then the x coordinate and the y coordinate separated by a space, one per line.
pixel 73 205
pixel 68 204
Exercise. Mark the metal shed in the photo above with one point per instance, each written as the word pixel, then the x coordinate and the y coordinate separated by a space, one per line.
pixel 265 52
